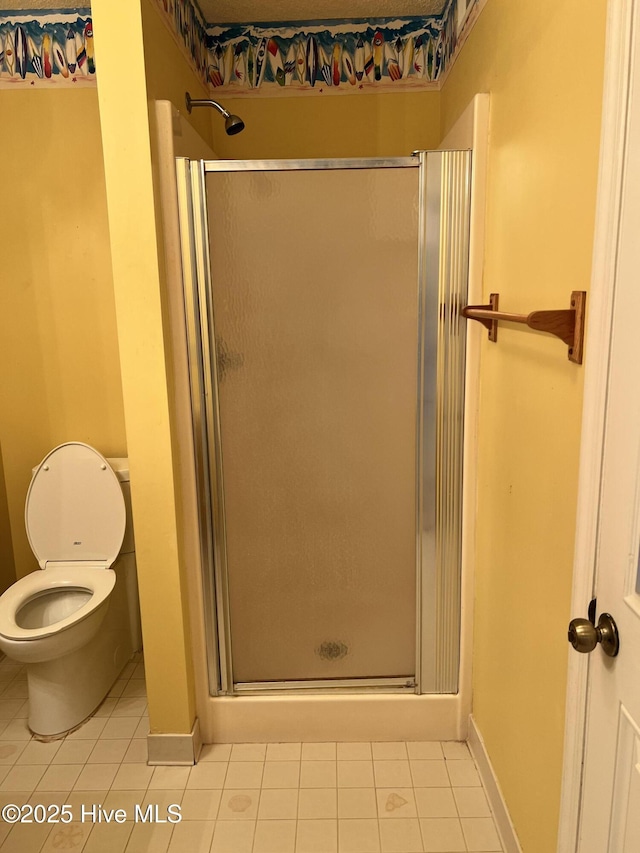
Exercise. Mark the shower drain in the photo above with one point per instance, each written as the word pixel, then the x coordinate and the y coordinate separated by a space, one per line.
pixel 332 650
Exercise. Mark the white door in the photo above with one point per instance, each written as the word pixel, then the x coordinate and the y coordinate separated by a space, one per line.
pixel 610 803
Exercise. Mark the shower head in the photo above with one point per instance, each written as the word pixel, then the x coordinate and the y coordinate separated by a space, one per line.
pixel 233 124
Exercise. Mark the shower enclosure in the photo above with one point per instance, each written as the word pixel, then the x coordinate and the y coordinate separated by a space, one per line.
pixel 326 352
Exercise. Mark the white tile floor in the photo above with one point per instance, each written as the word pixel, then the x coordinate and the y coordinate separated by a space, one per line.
pixel 240 798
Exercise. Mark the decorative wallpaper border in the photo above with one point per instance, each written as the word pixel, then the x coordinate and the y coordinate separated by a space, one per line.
pixel 354 54
pixel 46 48
pixel 55 48
pixel 320 57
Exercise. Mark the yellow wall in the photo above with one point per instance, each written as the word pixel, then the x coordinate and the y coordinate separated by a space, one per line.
pixel 138 286
pixel 169 76
pixel 383 125
pixel 59 368
pixel 543 65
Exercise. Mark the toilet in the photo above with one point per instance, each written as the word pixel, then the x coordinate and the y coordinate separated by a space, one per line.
pixel 75 623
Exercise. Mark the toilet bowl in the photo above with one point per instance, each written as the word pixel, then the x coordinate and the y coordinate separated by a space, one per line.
pixel 73 622
pixel 52 613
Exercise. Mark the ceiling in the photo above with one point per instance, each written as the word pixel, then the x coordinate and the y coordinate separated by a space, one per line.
pixel 254 11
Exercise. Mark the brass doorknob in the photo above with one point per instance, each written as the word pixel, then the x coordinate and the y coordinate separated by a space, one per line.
pixel 584 636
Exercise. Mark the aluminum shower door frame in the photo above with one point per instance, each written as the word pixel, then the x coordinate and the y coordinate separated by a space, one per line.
pixel 207 433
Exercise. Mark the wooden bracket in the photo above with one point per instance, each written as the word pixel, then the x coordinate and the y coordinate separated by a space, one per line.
pixel 567 325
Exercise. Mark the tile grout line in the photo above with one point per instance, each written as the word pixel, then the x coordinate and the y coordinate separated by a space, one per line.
pixel 374 761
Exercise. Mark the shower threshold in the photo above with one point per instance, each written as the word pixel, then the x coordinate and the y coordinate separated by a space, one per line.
pixel 402 684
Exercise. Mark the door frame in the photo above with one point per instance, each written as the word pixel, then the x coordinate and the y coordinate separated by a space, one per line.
pixel 615 120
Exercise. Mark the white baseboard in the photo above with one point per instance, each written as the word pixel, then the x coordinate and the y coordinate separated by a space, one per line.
pixel 501 815
pixel 169 748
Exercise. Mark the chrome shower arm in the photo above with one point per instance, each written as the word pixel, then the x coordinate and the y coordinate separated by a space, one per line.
pixel 232 124
pixel 204 102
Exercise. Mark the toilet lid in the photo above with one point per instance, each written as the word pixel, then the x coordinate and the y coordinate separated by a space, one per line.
pixel 75 509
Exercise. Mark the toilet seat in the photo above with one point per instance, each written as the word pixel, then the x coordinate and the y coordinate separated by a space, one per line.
pixel 98 581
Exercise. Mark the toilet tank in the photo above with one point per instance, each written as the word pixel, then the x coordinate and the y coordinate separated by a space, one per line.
pixel 127 564
pixel 120 465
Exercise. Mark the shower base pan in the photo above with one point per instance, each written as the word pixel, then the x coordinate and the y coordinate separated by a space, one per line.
pixel 343 717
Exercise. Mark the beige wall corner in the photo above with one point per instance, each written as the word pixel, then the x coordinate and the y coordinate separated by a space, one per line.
pixel 471 130
pixel 175 132
pixel 174 137
pixel 122 93
pixel 544 137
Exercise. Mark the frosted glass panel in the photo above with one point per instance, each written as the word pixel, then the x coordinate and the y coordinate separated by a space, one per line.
pixel 314 282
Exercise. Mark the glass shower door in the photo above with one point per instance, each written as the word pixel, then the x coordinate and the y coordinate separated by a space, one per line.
pixel 327 363
pixel 314 299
